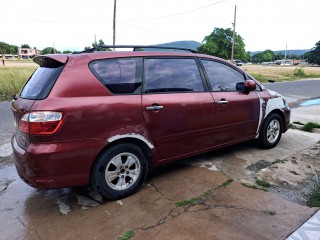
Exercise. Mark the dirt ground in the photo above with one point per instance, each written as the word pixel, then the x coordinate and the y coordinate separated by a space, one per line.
pixel 292 176
pixel 9 63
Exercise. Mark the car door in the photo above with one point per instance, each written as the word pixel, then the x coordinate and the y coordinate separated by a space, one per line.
pixel 178 111
pixel 237 112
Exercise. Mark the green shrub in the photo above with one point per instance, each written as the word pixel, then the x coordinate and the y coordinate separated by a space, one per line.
pixel 299 72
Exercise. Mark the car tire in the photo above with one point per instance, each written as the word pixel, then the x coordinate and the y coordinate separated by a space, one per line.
pixel 119 171
pixel 271 131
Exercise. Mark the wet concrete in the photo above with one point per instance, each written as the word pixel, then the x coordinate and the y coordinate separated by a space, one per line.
pixel 231 212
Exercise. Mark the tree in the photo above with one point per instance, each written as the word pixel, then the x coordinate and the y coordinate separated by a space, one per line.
pixel 219 43
pixel 66 51
pixel 98 46
pixel 6 48
pixel 265 56
pixel 49 50
pixel 279 56
pixel 314 55
pixel 25 46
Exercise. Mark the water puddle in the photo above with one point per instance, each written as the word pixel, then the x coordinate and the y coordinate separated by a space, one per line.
pixel 310 102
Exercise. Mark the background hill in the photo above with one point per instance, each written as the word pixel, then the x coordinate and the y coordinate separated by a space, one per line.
pixel 182 44
pixel 294 51
pixel 194 45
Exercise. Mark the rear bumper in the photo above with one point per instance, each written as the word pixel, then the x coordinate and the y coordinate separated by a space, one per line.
pixel 55 165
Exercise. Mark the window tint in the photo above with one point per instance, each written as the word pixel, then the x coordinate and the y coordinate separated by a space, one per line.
pixel 41 82
pixel 222 77
pixel 172 75
pixel 121 75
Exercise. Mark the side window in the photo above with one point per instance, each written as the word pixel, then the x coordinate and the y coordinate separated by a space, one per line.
pixel 172 75
pixel 221 76
pixel 121 75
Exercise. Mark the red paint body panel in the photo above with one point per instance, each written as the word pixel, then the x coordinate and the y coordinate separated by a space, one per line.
pixel 238 118
pixel 189 123
pixel 186 118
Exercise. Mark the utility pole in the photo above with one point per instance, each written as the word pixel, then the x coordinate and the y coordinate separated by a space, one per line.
pixel 234 30
pixel 285 53
pixel 54 48
pixel 114 22
pixel 95 40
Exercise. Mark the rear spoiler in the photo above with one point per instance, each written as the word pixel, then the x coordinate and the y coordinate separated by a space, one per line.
pixel 51 60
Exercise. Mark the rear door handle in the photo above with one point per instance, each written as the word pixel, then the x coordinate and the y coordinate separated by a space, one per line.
pixel 223 101
pixel 154 108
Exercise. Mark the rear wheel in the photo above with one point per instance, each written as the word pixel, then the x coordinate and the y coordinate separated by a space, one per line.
pixel 119 171
pixel 271 131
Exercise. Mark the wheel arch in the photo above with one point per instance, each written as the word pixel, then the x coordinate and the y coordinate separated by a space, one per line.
pixel 281 114
pixel 145 148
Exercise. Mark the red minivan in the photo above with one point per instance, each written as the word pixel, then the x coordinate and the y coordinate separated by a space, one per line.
pixel 105 118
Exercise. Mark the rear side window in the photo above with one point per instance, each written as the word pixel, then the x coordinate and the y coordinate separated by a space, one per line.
pixel 122 75
pixel 172 75
pixel 41 82
pixel 221 76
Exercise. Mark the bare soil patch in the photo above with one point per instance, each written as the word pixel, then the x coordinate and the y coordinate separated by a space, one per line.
pixel 290 177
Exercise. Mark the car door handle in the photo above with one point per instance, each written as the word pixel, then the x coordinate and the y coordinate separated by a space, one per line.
pixel 154 108
pixel 223 101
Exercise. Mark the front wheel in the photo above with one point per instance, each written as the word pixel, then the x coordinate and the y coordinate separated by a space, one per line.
pixel 119 171
pixel 271 131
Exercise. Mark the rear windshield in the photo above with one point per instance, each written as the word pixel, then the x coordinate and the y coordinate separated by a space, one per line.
pixel 41 82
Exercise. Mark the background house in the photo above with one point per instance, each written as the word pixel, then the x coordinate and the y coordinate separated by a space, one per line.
pixel 27 53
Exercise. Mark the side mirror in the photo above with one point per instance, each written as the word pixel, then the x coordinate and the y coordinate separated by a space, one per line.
pixel 247 86
pixel 250 85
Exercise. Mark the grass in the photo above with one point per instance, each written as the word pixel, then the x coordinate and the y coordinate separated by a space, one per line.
pixel 309 126
pixel 263 183
pixel 127 235
pixel 278 161
pixel 281 73
pixel 313 194
pixel 253 187
pixel 12 80
pixel 196 200
pixel 190 202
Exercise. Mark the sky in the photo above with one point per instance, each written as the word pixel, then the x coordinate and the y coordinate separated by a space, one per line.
pixel 73 24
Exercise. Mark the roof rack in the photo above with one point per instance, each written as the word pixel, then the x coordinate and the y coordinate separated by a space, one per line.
pixel 136 48
pixel 141 47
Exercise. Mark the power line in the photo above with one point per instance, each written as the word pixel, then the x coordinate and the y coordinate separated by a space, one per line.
pixel 145 29
pixel 177 14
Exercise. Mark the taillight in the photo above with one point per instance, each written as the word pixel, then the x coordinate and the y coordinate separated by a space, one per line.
pixel 38 123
